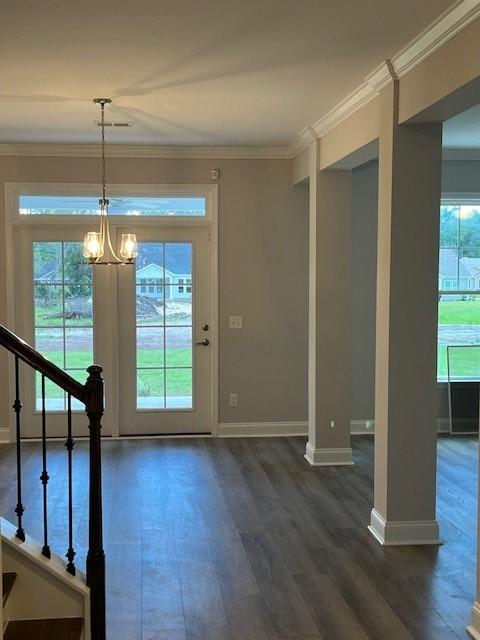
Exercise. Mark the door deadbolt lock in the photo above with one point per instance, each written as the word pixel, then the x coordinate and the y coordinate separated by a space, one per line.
pixel 204 343
pixel 205 327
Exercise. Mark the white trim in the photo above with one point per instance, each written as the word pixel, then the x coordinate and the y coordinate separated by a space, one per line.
pixel 54 566
pixel 143 151
pixel 209 221
pixel 298 428
pixel 254 429
pixel 474 628
pixel 302 141
pixel 328 457
pixel 209 191
pixel 215 330
pixel 32 550
pixel 361 427
pixel 367 427
pixel 447 25
pixel 261 429
pixel 405 532
pixel 423 45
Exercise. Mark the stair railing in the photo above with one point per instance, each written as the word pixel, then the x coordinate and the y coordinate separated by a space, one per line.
pixel 91 396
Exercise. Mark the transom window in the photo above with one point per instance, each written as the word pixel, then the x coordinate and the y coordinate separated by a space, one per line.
pixel 62 205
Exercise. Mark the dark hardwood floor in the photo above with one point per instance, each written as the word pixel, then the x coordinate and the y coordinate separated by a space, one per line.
pixel 241 539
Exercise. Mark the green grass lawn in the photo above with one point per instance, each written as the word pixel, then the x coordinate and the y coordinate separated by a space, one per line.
pixel 459 311
pixel 150 381
pixel 52 316
pixel 466 362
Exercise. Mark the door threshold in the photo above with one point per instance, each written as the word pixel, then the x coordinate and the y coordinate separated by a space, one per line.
pixel 146 436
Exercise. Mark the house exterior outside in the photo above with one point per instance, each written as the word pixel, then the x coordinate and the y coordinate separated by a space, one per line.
pixel 457 274
pixel 152 278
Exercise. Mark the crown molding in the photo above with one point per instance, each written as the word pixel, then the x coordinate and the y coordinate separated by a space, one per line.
pixel 143 151
pixel 301 142
pixel 432 38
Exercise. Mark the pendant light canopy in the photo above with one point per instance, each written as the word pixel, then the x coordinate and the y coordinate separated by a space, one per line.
pixel 98 244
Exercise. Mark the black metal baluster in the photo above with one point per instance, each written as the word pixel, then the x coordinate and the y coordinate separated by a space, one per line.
pixel 69 445
pixel 44 475
pixel 17 407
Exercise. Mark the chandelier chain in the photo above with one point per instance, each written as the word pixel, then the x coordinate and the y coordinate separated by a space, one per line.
pixel 95 243
pixel 104 170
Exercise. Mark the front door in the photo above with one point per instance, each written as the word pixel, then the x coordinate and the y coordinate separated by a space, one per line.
pixel 149 325
pixel 164 316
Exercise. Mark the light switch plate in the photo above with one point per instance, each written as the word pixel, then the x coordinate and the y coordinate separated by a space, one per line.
pixel 235 322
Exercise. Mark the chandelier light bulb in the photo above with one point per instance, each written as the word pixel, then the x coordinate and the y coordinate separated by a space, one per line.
pixel 92 246
pixel 129 246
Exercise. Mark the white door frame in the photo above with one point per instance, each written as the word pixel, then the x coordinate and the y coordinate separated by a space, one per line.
pixel 13 220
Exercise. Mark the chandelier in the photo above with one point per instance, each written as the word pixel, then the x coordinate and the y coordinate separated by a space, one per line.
pixel 96 243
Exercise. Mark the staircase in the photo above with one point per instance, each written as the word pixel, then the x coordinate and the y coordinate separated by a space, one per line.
pixel 45 598
pixel 53 629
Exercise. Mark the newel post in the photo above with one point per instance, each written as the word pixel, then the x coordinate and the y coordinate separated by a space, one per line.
pixel 95 555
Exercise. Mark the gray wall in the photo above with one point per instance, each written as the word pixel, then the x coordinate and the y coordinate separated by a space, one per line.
pixel 263 271
pixel 458 176
pixel 263 247
pixel 364 213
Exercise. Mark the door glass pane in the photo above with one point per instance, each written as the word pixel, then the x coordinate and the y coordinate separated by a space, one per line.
pixel 164 291
pixel 63 314
pixel 179 388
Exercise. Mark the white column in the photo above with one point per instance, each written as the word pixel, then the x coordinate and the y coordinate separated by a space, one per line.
pixel 329 317
pixel 406 328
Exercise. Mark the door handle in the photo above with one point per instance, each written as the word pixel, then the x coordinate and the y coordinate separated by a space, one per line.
pixel 204 343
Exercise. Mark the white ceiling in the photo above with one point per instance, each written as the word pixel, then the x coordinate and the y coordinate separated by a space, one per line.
pixel 191 72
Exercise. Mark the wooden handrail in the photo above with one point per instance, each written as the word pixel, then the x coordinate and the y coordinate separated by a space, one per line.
pixel 91 395
pixel 25 352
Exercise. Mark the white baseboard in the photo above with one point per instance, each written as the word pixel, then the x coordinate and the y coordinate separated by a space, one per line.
pixel 474 628
pixel 361 427
pixel 328 457
pixel 261 429
pixel 4 434
pixel 268 429
pixel 403 533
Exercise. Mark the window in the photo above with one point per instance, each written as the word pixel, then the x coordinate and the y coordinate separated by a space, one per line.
pixel 459 292
pixel 119 206
pixel 63 314
pixel 164 330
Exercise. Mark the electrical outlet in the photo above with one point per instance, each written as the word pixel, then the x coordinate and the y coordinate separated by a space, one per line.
pixel 332 424
pixel 235 322
pixel 234 399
